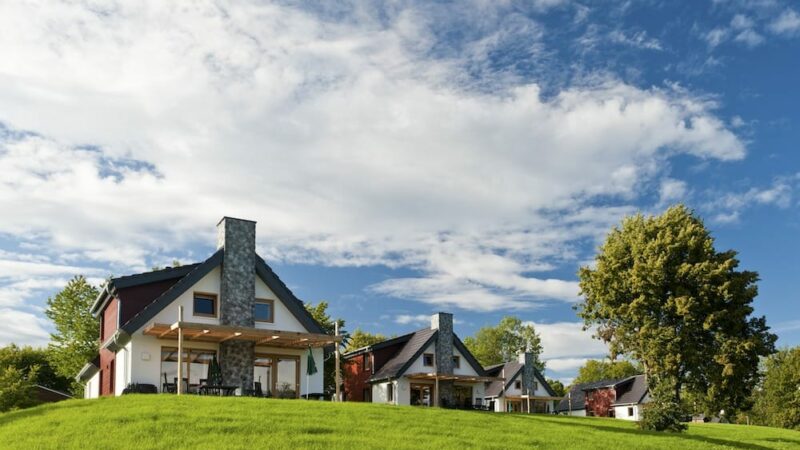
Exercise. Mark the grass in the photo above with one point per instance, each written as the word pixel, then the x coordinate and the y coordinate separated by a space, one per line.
pixel 170 422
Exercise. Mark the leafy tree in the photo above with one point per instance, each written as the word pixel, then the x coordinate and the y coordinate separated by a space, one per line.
pixel 320 314
pixel 664 296
pixel 495 345
pixel 26 358
pixel 360 338
pixel 596 370
pixel 17 388
pixel 76 338
pixel 558 387
pixel 777 402
pixel 664 412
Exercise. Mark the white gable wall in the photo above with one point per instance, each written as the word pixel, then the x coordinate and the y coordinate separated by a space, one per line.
pixel 284 319
pixel 92 388
pixel 621 412
pixel 209 284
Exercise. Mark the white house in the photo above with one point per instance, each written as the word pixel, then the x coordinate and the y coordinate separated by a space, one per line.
pixel 621 398
pixel 520 388
pixel 231 307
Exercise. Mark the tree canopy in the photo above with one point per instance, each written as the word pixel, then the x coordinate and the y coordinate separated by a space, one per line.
pixel 777 401
pixel 360 338
pixel 557 387
pixel 77 331
pixel 596 370
pixel 664 296
pixel 504 342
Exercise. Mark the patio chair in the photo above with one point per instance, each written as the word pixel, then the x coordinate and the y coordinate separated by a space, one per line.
pixel 169 388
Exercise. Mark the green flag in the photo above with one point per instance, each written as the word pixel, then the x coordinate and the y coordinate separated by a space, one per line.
pixel 311 367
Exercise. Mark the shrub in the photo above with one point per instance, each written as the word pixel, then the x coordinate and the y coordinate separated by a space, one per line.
pixel 663 413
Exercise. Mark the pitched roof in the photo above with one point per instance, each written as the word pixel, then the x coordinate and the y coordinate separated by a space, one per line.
pixel 378 346
pixel 512 370
pixel 577 395
pixel 631 391
pixel 126 281
pixel 414 347
pixel 193 273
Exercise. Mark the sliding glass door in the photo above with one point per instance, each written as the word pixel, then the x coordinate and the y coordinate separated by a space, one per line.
pixel 279 375
pixel 195 364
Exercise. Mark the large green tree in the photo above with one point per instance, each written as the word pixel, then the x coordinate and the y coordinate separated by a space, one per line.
pixel 17 388
pixel 777 401
pixel 664 296
pixel 596 370
pixel 77 331
pixel 504 342
pixel 320 313
pixel 26 358
pixel 558 387
pixel 360 338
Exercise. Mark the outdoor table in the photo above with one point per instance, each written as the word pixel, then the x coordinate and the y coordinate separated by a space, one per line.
pixel 215 389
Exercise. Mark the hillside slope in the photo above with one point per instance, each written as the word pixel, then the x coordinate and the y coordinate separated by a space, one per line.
pixel 170 422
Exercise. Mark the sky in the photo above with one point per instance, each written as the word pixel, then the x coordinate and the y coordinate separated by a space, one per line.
pixel 400 158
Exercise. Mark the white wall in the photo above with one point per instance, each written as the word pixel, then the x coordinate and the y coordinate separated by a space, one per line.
pixel 208 284
pixel 284 319
pixel 380 393
pixel 621 412
pixel 466 368
pixel 122 364
pixel 92 388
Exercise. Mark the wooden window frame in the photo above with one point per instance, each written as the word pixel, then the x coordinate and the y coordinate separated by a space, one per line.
pixel 630 411
pixel 207 295
pixel 424 358
pixel 271 304
pixel 274 382
pixel 518 384
pixel 456 362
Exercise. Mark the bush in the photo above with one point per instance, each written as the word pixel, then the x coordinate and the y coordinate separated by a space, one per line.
pixel 16 388
pixel 663 413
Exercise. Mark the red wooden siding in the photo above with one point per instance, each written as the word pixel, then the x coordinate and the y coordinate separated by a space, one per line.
pixel 135 298
pixel 355 375
pixel 599 401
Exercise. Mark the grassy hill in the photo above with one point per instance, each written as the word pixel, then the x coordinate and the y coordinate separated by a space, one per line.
pixel 169 422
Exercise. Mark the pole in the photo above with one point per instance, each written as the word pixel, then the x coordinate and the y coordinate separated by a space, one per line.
pixel 336 347
pixel 179 387
pixel 569 401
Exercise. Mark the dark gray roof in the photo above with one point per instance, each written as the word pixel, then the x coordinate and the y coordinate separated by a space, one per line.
pixel 396 366
pixel 378 346
pixel 512 369
pixel 169 273
pixel 495 388
pixel 577 395
pixel 631 391
pixel 198 271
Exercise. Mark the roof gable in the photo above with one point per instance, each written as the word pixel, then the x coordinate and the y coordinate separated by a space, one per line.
pixel 198 271
pixel 412 350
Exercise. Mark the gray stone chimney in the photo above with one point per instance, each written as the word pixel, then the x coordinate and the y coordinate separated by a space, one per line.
pixel 237 297
pixel 528 377
pixel 444 354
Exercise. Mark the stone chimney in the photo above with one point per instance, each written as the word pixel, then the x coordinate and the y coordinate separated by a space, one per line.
pixel 443 322
pixel 237 297
pixel 528 376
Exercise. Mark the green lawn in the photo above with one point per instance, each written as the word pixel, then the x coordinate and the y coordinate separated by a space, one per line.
pixel 170 422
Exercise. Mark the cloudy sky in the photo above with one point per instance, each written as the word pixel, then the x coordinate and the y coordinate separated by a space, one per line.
pixel 400 158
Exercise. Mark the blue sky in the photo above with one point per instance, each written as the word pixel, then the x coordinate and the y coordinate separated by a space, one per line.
pixel 399 158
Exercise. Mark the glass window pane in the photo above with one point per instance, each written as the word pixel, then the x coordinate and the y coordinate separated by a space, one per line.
pixel 201 360
pixel 262 373
pixel 204 305
pixel 286 382
pixel 263 312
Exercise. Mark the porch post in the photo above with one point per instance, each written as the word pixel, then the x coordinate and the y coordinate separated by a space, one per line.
pixel 336 355
pixel 179 387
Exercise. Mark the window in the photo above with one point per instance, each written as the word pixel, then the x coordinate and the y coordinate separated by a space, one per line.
pixel 195 364
pixel 390 392
pixel 205 305
pixel 264 311
pixel 630 411
pixel 367 394
pixel 456 362
pixel 518 384
pixel 367 362
pixel 535 386
pixel 427 360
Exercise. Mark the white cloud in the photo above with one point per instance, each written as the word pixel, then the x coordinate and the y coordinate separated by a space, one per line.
pixel 729 207
pixel 741 22
pixel 671 191
pixel 716 36
pixel 347 142
pixel 568 340
pixel 22 328
pixel 787 24
pixel 638 39
pixel 750 38
pixel 565 364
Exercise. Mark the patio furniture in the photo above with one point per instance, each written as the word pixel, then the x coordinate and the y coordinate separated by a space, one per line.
pixel 169 388
pixel 218 390
pixel 256 391
pixel 185 384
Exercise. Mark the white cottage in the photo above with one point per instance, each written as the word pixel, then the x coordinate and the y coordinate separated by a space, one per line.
pixel 520 388
pixel 168 325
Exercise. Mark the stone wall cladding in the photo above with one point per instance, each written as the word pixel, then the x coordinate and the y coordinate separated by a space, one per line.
pixel 528 376
pixel 444 354
pixel 238 284
pixel 237 297
pixel 236 361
